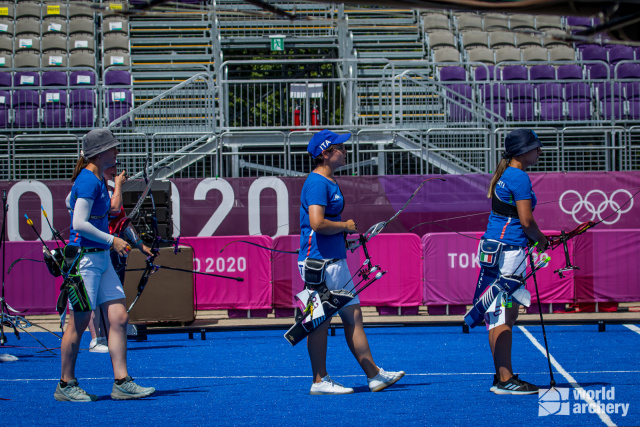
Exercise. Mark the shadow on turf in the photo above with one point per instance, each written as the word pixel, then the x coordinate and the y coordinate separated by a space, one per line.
pixel 396 387
pixel 162 393
pixel 154 347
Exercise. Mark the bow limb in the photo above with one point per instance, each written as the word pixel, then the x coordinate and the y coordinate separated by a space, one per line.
pixel 260 246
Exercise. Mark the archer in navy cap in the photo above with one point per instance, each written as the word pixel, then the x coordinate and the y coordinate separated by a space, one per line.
pixel 520 141
pixel 323 140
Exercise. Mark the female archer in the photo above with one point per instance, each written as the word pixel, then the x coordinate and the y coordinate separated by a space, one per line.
pixel 322 238
pixel 89 265
pixel 511 227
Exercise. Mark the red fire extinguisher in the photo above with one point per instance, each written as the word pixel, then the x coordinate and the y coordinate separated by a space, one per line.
pixel 315 116
pixel 296 116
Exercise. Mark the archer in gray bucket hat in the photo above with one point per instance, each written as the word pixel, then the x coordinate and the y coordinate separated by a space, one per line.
pixel 98 141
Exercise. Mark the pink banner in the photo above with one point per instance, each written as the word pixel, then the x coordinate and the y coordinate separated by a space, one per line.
pixel 400 287
pixel 270 205
pixel 609 267
pixel 451 271
pixel 29 286
pixel 238 260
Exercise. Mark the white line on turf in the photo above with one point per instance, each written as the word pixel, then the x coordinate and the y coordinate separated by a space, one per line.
pixel 592 404
pixel 634 328
pixel 231 377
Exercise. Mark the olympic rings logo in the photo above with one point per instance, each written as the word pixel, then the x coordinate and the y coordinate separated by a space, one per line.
pixel 607 202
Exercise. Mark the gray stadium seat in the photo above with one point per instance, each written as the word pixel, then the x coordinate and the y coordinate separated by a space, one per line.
pixel 9 7
pixel 508 54
pixel 81 24
pixel 495 22
pixel 498 39
pixel 6 26
pixel 435 21
pixel 524 40
pixel 6 60
pixel 115 41
pixel 446 54
pixel 437 39
pixel 469 22
pixel 55 25
pixel 118 58
pixel 27 8
pixel 55 58
pixel 6 43
pixel 115 8
pixel 549 40
pixel 54 8
pixel 79 10
pixel 117 24
pixel 562 53
pixel 26 42
pixel 522 21
pixel 82 58
pixel 26 59
pixel 481 54
pixel 473 39
pixel 535 53
pixel 28 25
pixel 53 41
pixel 82 41
pixel 548 21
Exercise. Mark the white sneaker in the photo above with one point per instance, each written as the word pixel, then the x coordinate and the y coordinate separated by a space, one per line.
pixel 384 380
pixel 97 346
pixel 7 358
pixel 329 386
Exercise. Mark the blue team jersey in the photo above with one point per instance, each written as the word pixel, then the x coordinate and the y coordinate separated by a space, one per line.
pixel 514 184
pixel 318 190
pixel 88 186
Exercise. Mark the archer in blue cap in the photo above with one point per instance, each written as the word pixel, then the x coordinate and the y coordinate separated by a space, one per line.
pixel 323 140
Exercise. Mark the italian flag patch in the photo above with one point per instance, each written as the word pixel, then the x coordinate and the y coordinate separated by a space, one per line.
pixel 488 258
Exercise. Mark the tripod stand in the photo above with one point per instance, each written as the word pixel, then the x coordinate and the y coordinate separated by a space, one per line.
pixel 7 319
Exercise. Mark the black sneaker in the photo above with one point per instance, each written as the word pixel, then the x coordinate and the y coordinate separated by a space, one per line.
pixel 515 386
pixel 496 380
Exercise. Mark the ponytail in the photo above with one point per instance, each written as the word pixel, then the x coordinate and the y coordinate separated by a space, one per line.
pixel 81 164
pixel 502 166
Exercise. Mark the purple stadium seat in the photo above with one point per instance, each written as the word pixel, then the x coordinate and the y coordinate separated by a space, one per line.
pixel 632 95
pixel 569 71
pixel 609 98
pixel 5 79
pixel 628 70
pixel 25 104
pixel 54 106
pixel 542 72
pixel 494 97
pixel 119 103
pixel 619 53
pixel 597 71
pixel 79 78
pixel 26 78
pixel 522 97
pixel 448 74
pixel 578 21
pixel 462 94
pixel 481 73
pixel 514 72
pixel 637 52
pixel 82 103
pixel 5 106
pixel 550 98
pixel 117 77
pixel 54 78
pixel 578 96
pixel 592 52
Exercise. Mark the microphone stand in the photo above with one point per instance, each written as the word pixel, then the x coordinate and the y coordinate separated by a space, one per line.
pixel 5 316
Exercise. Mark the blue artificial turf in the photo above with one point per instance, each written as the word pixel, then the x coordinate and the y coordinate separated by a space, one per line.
pixel 257 378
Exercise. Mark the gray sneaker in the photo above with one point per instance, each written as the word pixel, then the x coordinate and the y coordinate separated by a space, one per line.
pixel 73 393
pixel 130 390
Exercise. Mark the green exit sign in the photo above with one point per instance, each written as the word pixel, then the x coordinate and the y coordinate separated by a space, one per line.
pixel 277 43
